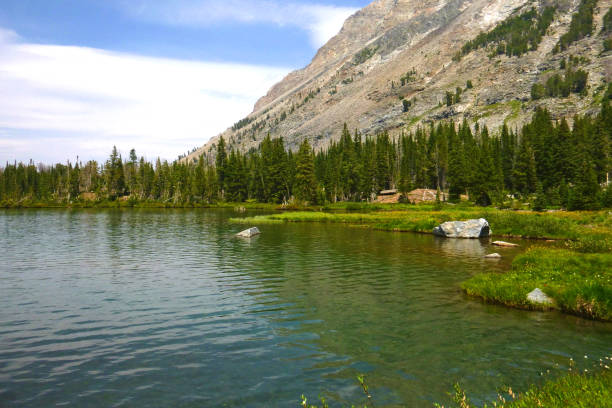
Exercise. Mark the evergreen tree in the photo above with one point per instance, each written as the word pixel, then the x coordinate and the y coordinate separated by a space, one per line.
pixel 540 202
pixel 585 193
pixel 132 171
pixel 485 175
pixel 235 178
pixel 305 181
pixel 115 179
pixel 75 182
pixel 220 163
pixel 524 171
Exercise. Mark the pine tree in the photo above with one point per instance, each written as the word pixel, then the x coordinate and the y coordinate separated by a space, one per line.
pixel 584 195
pixel 485 175
pixel 540 202
pixel 508 149
pixel 132 171
pixel 563 150
pixel 384 162
pixel 220 163
pixel 305 181
pixel 235 178
pixel 564 194
pixel 524 171
pixel 115 179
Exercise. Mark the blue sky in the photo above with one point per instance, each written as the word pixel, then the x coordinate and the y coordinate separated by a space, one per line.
pixel 162 76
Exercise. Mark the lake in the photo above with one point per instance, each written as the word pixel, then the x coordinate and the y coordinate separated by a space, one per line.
pixel 166 308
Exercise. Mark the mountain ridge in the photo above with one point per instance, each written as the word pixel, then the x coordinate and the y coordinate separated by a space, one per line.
pixel 356 78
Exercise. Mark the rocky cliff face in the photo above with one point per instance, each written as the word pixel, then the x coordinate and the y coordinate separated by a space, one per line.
pixel 357 76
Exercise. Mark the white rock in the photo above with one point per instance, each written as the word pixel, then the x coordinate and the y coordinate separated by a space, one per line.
pixel 464 229
pixel 493 256
pixel 251 232
pixel 540 298
pixel 504 244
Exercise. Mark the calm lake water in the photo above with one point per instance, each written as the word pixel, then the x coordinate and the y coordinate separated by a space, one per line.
pixel 169 309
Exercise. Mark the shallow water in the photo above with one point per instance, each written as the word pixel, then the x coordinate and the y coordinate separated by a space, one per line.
pixel 167 308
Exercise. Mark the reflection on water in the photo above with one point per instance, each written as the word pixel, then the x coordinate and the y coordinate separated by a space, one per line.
pixel 168 308
pixel 462 247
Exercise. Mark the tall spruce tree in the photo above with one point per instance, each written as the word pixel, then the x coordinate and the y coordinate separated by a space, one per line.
pixel 524 171
pixel 115 179
pixel 220 163
pixel 305 181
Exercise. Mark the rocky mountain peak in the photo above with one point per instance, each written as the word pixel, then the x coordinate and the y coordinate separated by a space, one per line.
pixel 393 64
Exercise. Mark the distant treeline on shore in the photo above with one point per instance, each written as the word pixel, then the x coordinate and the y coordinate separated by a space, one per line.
pixel 550 162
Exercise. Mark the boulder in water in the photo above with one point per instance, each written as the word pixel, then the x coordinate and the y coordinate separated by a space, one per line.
pixel 249 233
pixel 464 229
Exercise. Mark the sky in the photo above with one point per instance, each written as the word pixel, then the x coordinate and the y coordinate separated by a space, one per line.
pixel 78 77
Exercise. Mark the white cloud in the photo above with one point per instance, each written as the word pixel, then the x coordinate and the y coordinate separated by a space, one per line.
pixel 60 101
pixel 321 21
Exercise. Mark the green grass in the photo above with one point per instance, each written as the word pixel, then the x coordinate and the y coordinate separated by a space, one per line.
pixel 577 388
pixel 580 284
pixel 516 107
pixel 572 390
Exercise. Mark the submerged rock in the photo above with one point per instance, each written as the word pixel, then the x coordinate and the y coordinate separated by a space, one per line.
pixel 539 298
pixel 504 244
pixel 493 256
pixel 464 229
pixel 251 232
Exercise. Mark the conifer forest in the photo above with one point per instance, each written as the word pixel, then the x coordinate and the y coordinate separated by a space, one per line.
pixel 562 165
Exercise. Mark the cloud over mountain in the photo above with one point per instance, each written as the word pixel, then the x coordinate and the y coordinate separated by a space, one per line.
pixel 59 97
pixel 321 21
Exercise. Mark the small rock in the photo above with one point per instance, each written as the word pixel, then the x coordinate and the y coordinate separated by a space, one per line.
pixel 464 229
pixel 493 256
pixel 540 298
pixel 251 232
pixel 504 244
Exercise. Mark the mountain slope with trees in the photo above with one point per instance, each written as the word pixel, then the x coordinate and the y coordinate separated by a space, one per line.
pixel 398 65
pixel 564 166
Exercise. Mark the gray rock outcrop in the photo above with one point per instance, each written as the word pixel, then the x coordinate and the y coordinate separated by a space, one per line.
pixel 539 298
pixel 464 229
pixel 251 232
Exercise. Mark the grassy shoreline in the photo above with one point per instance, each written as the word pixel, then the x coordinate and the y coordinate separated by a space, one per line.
pixel 570 390
pixel 506 223
pixel 580 284
pixel 576 273
pixel 573 389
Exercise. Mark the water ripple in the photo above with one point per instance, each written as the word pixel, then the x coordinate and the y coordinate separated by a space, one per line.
pixel 167 308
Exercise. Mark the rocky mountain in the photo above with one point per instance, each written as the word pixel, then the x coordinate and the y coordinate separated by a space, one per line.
pixel 400 64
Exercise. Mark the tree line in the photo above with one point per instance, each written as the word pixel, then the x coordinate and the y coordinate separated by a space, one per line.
pixel 581 25
pixel 515 36
pixel 565 166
